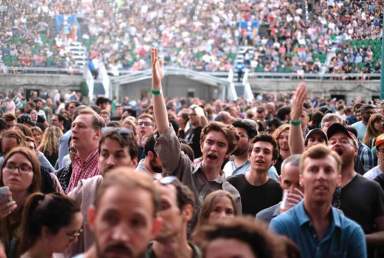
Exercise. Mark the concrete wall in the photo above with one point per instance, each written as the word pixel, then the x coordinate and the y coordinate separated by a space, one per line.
pixel 173 86
pixel 46 82
pixel 323 88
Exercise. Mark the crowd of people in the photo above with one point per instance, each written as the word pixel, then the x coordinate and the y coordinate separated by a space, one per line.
pixel 188 178
pixel 287 36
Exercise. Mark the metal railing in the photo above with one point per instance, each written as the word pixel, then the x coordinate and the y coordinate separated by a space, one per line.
pixel 222 75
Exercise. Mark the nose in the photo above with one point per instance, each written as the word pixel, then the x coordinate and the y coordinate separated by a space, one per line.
pixel 121 233
pixel 111 160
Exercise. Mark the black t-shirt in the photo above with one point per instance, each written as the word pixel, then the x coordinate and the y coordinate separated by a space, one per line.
pixel 380 180
pixel 362 200
pixel 256 198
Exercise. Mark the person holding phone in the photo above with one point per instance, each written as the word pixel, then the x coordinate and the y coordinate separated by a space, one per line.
pixel 21 174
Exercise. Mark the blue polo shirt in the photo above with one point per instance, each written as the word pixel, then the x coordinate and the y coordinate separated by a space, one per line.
pixel 344 237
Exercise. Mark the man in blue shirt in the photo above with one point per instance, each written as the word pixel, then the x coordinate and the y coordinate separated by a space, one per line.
pixel 318 229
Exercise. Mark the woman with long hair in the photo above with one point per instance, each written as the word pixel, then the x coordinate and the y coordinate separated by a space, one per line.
pixel 217 205
pixel 375 127
pixel 50 143
pixel 281 137
pixel 50 224
pixel 20 173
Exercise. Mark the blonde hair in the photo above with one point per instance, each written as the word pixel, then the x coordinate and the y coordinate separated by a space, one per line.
pixel 51 139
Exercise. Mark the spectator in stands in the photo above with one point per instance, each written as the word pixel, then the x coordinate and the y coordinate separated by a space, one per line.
pixel 257 190
pixel 49 145
pixel 217 141
pixel 86 133
pixel 375 127
pixel 217 205
pixel 145 128
pixel 131 197
pixel 176 211
pixel 50 223
pixel 377 170
pixel 281 137
pixel 197 120
pixel 361 126
pixel 238 237
pixel 293 192
pixel 320 175
pixel 359 198
pixel 21 173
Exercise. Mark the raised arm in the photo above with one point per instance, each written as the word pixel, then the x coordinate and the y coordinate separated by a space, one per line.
pixel 159 107
pixel 296 138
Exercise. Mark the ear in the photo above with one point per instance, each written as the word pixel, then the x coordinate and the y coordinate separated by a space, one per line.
pixel 91 216
pixel 150 155
pixel 187 212
pixel 301 181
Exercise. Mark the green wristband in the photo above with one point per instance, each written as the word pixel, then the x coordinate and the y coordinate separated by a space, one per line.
pixel 155 92
pixel 295 122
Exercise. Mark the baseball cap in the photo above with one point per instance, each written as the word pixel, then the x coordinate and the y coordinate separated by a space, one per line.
pixel 379 140
pixel 315 131
pixel 339 128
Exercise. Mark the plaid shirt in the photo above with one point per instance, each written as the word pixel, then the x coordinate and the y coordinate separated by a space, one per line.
pixel 364 160
pixel 83 170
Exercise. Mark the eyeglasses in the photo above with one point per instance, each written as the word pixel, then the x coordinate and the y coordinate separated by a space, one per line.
pixel 144 124
pixel 23 168
pixel 75 235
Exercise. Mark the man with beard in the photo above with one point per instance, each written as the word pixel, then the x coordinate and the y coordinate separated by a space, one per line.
pixel 318 229
pixel 256 189
pixel 176 211
pixel 359 198
pixel 123 217
pixel 239 164
pixel 117 147
pixel 151 163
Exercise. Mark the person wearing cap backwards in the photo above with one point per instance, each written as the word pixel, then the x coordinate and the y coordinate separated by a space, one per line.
pixel 379 169
pixel 359 198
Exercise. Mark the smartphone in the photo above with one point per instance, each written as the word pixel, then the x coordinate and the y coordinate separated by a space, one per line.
pixel 5 194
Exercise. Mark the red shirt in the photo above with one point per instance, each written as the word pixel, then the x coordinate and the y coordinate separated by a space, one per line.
pixel 83 170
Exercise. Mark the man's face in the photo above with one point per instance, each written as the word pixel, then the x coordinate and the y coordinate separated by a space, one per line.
pixel 243 142
pixel 214 149
pixel 155 164
pixel 123 222
pixel 82 131
pixel 367 114
pixel 262 156
pixel 228 248
pixel 112 155
pixel 193 118
pixel 55 121
pixel 71 108
pixel 290 178
pixel 145 126
pixel 314 139
pixel 169 213
pixel 343 145
pixel 320 179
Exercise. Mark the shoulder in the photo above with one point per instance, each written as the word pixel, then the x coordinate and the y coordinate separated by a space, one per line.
pixel 236 179
pixel 284 223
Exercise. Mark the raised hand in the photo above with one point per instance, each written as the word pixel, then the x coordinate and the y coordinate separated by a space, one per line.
pixel 7 205
pixel 298 100
pixel 157 69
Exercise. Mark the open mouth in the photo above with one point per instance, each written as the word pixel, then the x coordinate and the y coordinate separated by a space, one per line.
pixel 212 156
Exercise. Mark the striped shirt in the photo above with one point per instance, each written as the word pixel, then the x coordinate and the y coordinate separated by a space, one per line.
pixel 83 170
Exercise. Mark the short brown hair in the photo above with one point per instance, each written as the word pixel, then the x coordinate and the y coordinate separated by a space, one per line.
pixel 228 131
pixel 247 230
pixel 97 121
pixel 128 178
pixel 146 115
pixel 319 151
